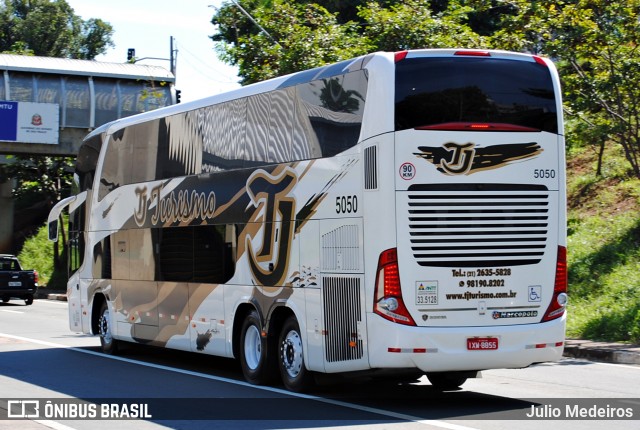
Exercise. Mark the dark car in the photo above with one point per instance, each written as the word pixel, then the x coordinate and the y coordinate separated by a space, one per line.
pixel 16 283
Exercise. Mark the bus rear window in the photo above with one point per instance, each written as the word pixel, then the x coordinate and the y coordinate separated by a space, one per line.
pixel 445 90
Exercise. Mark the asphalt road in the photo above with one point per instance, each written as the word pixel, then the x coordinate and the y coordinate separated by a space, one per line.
pixel 41 360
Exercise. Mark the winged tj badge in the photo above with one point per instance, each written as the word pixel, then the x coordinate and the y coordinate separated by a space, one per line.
pixel 465 159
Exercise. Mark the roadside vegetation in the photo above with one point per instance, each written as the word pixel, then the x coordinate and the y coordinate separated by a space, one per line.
pixel 604 247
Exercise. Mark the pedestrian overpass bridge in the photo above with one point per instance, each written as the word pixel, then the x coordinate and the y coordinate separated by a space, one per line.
pixel 48 105
pixel 80 95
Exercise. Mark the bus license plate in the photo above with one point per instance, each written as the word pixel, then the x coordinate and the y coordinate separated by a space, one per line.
pixel 482 343
pixel 15 284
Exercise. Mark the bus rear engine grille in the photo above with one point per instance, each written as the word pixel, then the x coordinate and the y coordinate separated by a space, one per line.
pixel 478 225
pixel 342 316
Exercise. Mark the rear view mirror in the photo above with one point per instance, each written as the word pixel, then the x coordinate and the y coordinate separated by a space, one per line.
pixel 53 230
pixel 52 220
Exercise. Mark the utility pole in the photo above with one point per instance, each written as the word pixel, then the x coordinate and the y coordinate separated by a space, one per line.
pixel 172 58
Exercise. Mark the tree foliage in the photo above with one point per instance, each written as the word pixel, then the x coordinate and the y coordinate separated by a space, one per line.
pixel 298 36
pixel 413 24
pixel 599 58
pixel 301 34
pixel 49 178
pixel 50 28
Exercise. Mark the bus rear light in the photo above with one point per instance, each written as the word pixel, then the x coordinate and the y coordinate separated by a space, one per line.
pixel 559 301
pixel 539 60
pixel 473 53
pixel 545 345
pixel 400 55
pixel 408 350
pixel 35 276
pixel 477 126
pixel 388 292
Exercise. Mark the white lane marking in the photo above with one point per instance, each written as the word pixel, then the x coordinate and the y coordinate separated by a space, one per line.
pixel 12 312
pixel 435 423
pixel 600 363
pixel 626 366
pixel 53 425
pixel 53 302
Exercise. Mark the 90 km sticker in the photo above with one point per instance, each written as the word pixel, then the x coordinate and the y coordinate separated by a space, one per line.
pixel 407 171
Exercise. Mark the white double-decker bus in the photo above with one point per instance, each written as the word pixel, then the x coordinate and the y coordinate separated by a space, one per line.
pixel 395 212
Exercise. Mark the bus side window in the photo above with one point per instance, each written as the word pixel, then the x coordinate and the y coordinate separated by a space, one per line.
pixel 197 254
pixel 257 128
pixel 330 111
pixel 116 168
pixel 176 254
pixel 281 125
pixel 76 238
pixel 102 259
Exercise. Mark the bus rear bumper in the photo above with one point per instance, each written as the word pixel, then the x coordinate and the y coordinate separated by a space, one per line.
pixel 445 349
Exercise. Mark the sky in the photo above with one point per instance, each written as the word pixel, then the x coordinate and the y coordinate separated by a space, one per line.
pixel 147 25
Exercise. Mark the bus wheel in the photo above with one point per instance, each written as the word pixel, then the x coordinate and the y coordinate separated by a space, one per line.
pixel 107 342
pixel 295 376
pixel 257 357
pixel 28 300
pixel 446 381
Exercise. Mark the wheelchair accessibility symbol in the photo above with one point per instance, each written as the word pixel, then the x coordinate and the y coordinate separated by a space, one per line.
pixel 535 293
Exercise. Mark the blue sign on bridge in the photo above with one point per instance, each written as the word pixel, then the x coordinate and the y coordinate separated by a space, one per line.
pixel 8 121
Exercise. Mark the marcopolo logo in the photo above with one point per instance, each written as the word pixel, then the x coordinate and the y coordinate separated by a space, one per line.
pixel 514 314
pixel 465 159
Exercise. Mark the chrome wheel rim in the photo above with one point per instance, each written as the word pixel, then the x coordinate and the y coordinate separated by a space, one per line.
pixel 105 327
pixel 292 354
pixel 252 347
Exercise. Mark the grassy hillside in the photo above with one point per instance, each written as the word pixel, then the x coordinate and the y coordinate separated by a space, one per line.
pixel 604 247
pixel 37 253
pixel 603 243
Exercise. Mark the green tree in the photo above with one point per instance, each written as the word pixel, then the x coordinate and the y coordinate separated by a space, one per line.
pixel 413 24
pixel 50 28
pixel 295 37
pixel 303 34
pixel 44 178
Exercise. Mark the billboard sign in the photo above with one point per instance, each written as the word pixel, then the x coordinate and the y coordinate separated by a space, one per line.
pixel 26 122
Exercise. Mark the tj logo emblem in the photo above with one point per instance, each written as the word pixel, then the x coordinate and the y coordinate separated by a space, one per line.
pixel 468 158
pixel 461 158
pixel 275 211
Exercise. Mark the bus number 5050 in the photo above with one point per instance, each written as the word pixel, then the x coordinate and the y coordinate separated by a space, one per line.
pixel 346 204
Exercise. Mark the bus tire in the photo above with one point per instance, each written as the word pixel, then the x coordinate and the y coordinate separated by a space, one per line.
pixel 28 300
pixel 257 355
pixel 108 344
pixel 446 381
pixel 293 372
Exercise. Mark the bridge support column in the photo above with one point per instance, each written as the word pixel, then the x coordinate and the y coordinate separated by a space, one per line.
pixel 6 217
